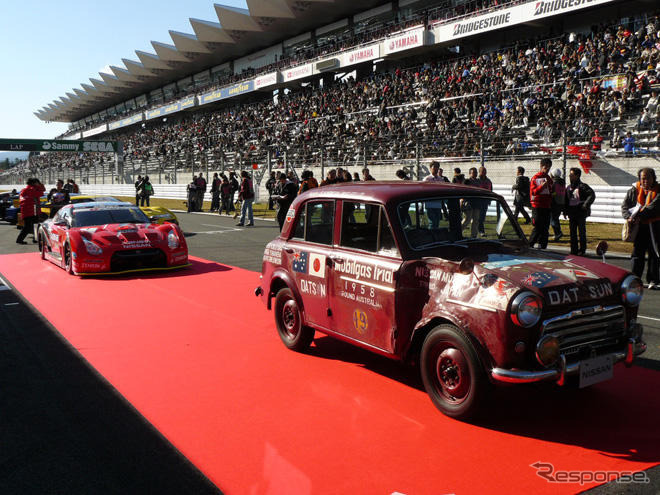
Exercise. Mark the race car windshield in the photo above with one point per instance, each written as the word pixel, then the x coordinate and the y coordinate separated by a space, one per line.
pixel 87 199
pixel 453 220
pixel 87 218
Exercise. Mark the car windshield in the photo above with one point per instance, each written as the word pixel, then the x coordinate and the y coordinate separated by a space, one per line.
pixel 88 217
pixel 457 220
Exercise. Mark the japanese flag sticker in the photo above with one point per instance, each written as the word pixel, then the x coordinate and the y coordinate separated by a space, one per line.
pixel 317 265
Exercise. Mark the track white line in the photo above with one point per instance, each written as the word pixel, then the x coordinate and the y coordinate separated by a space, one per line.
pixel 648 318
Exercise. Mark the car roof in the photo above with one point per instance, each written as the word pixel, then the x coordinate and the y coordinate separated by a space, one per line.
pixel 101 205
pixel 393 191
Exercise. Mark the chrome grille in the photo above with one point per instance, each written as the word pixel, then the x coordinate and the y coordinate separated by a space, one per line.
pixel 588 331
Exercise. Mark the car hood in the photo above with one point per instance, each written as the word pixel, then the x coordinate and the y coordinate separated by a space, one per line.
pixel 126 234
pixel 560 280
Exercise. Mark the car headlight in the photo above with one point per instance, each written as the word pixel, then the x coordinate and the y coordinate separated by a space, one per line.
pixel 172 240
pixel 632 290
pixel 547 350
pixel 92 248
pixel 526 309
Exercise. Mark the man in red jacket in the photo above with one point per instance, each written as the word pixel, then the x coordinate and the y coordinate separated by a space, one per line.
pixel 30 208
pixel 540 192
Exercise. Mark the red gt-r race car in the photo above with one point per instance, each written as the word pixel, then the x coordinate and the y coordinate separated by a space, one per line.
pixel 110 238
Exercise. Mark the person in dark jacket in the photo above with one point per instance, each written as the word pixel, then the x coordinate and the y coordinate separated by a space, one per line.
pixel 246 197
pixel 215 192
pixel 58 197
pixel 233 182
pixel 641 205
pixel 285 194
pixel 577 207
pixel 520 191
pixel 138 186
pixel 271 183
pixel 558 202
pixel 225 195
pixel 30 208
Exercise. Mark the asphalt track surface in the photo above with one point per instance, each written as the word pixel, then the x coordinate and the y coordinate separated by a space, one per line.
pixel 65 429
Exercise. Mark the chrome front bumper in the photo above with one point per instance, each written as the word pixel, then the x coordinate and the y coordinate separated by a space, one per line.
pixel 559 374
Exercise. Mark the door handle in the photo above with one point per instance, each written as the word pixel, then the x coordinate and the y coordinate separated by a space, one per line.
pixel 337 260
pixel 288 250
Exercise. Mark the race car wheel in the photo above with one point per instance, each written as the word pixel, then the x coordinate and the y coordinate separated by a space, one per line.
pixel 288 320
pixel 452 373
pixel 68 259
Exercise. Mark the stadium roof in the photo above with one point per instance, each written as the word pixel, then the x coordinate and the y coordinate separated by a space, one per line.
pixel 237 33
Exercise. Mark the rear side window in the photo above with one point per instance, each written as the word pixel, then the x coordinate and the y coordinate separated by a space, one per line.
pixel 365 227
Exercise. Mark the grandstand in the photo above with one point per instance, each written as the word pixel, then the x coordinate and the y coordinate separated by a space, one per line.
pixel 376 84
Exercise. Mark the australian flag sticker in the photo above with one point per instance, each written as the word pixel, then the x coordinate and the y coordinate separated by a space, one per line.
pixel 299 263
pixel 539 279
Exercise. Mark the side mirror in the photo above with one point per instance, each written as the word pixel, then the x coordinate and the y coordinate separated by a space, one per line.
pixel 153 219
pixel 601 249
pixel 466 266
pixel 61 223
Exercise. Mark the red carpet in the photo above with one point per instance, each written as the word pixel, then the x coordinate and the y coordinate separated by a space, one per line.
pixel 198 355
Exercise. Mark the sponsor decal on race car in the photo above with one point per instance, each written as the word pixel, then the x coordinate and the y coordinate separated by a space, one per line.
pixel 135 244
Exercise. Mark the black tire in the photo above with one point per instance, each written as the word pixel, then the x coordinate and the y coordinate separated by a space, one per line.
pixel 452 373
pixel 288 319
pixel 43 247
pixel 68 260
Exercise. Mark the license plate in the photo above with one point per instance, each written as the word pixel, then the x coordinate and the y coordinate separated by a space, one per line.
pixel 596 370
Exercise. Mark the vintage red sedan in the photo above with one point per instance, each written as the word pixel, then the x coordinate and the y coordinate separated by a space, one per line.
pixel 98 238
pixel 443 276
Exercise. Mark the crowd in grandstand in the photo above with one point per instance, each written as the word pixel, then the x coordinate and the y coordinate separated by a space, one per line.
pixel 570 87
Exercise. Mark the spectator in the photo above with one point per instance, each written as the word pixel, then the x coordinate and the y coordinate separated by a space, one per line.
pixel 435 208
pixel 641 206
pixel 30 208
pixel 558 202
pixel 540 192
pixel 308 181
pixel 330 178
pixel 401 174
pixel 484 183
pixel 596 141
pixel 270 187
pixel 246 197
pixel 233 182
pixel 200 182
pixel 577 207
pixel 285 194
pixel 146 191
pixel 58 197
pixel 215 192
pixel 629 144
pixel 192 195
pixel 138 186
pixel 225 196
pixel 366 175
pixel 471 207
pixel 520 191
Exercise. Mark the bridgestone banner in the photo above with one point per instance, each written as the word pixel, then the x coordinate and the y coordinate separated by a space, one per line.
pixel 59 145
pixel 518 14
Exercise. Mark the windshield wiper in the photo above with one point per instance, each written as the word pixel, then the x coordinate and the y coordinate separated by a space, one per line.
pixel 476 240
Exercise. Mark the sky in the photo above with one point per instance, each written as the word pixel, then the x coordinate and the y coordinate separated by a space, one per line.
pixel 48 48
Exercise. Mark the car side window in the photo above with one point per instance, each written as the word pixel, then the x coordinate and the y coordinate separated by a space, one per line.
pixel 364 226
pixel 299 229
pixel 320 221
